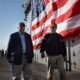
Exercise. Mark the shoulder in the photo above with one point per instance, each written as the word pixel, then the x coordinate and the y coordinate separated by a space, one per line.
pixel 27 34
pixel 14 34
pixel 61 38
pixel 59 35
pixel 47 35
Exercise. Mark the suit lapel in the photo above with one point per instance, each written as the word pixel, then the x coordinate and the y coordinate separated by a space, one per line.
pixel 19 38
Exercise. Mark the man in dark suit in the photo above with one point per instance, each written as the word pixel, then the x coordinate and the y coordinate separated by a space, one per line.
pixel 20 53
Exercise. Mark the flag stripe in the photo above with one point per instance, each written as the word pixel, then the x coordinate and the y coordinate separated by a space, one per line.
pixel 71 32
pixel 58 4
pixel 69 13
pixel 37 46
pixel 41 33
pixel 46 1
pixel 69 23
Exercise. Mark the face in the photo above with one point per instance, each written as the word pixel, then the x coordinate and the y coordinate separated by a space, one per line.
pixel 53 27
pixel 21 28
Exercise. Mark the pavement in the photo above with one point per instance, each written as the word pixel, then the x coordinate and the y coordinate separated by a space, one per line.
pixel 39 72
pixel 5 70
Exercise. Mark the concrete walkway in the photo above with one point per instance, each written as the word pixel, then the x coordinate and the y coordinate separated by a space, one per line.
pixel 38 72
pixel 5 70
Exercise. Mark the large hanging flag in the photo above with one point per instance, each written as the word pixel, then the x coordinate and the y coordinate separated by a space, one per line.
pixel 65 13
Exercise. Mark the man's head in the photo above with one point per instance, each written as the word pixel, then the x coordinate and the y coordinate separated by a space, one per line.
pixel 21 27
pixel 53 27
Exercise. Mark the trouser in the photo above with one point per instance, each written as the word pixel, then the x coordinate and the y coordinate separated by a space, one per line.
pixel 24 68
pixel 56 62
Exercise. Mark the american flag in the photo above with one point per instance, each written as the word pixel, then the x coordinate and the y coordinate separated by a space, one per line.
pixel 66 13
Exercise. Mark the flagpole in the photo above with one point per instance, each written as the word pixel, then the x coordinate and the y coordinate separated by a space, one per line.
pixel 69 53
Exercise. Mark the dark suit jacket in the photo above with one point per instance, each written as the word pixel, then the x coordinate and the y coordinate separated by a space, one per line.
pixel 15 48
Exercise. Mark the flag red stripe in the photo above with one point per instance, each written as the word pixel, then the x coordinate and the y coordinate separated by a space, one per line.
pixel 37 46
pixel 46 1
pixel 41 33
pixel 58 4
pixel 71 32
pixel 69 13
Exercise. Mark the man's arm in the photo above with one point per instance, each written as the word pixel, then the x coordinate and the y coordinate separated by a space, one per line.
pixel 42 48
pixel 63 48
pixel 9 49
pixel 31 46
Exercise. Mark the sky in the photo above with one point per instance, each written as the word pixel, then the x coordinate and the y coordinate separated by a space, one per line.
pixel 11 13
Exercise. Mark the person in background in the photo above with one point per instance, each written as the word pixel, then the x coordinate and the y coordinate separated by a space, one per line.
pixel 2 53
pixel 55 48
pixel 20 53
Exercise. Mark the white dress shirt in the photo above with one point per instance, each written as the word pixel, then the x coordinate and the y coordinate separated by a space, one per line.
pixel 22 36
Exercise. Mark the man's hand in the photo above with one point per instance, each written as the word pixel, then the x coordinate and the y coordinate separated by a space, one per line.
pixel 9 59
pixel 42 55
pixel 65 58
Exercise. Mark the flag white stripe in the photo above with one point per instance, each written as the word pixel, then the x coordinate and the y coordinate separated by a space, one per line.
pixel 69 23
